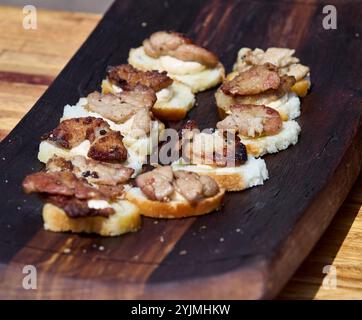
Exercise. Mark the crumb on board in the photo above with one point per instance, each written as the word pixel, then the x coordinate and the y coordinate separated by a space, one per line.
pixel 101 248
pixel 66 250
pixel 221 239
pixel 162 239
pixel 238 230
pixel 155 222
pixel 144 24
pixel 182 252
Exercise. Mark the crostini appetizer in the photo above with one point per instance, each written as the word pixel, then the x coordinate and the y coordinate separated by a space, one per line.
pixel 164 193
pixel 174 99
pixel 84 195
pixel 225 160
pixel 128 112
pixel 259 85
pixel 283 58
pixel 89 137
pixel 260 128
pixel 183 60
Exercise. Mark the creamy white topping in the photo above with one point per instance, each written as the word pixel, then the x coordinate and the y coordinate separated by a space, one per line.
pixel 165 94
pixel 98 204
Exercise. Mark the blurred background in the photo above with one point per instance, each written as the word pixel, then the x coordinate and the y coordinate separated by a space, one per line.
pixel 94 6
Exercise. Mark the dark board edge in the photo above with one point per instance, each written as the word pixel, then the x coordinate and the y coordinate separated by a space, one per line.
pixel 323 209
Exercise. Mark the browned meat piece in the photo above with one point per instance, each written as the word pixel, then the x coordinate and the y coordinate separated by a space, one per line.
pixel 255 80
pixel 101 172
pixel 157 184
pixel 194 187
pixel 178 46
pixel 108 148
pixel 110 106
pixel 252 120
pixel 97 172
pixel 210 187
pixel 72 132
pixel 121 107
pixel 76 208
pixel 141 124
pixel 189 185
pixel 139 95
pixel 234 154
pixel 61 183
pixel 125 74
pixel 286 82
pixel 58 164
pixel 283 58
pixel 113 191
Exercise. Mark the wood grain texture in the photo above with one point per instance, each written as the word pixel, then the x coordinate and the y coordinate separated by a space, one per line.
pixel 30 59
pixel 279 222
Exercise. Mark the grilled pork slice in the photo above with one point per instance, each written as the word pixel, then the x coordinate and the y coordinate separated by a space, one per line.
pixel 163 193
pixel 174 99
pixel 70 133
pixel 72 204
pixel 96 172
pixel 105 144
pixel 176 45
pixel 216 148
pixel 261 129
pixel 183 60
pixel 255 80
pixel 119 107
pixel 220 155
pixel 63 183
pixel 125 75
pixel 252 120
pixel 108 148
pixel 283 58
pixel 259 85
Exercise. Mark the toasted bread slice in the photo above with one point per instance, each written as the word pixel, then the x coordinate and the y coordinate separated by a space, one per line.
pixel 193 74
pixel 252 173
pixel 176 208
pixel 301 87
pixel 288 105
pixel 172 103
pixel 288 136
pixel 176 106
pixel 138 148
pixel 125 219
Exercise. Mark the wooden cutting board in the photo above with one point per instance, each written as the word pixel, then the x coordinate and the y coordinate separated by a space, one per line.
pixel 279 223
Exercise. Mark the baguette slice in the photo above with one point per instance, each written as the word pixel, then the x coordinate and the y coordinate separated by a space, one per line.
pixel 288 136
pixel 125 219
pixel 288 105
pixel 252 173
pixel 172 103
pixel 193 74
pixel 177 208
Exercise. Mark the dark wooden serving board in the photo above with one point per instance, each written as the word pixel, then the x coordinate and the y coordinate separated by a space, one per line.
pixel 253 246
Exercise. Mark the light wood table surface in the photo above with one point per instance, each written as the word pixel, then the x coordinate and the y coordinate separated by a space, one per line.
pixel 30 60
